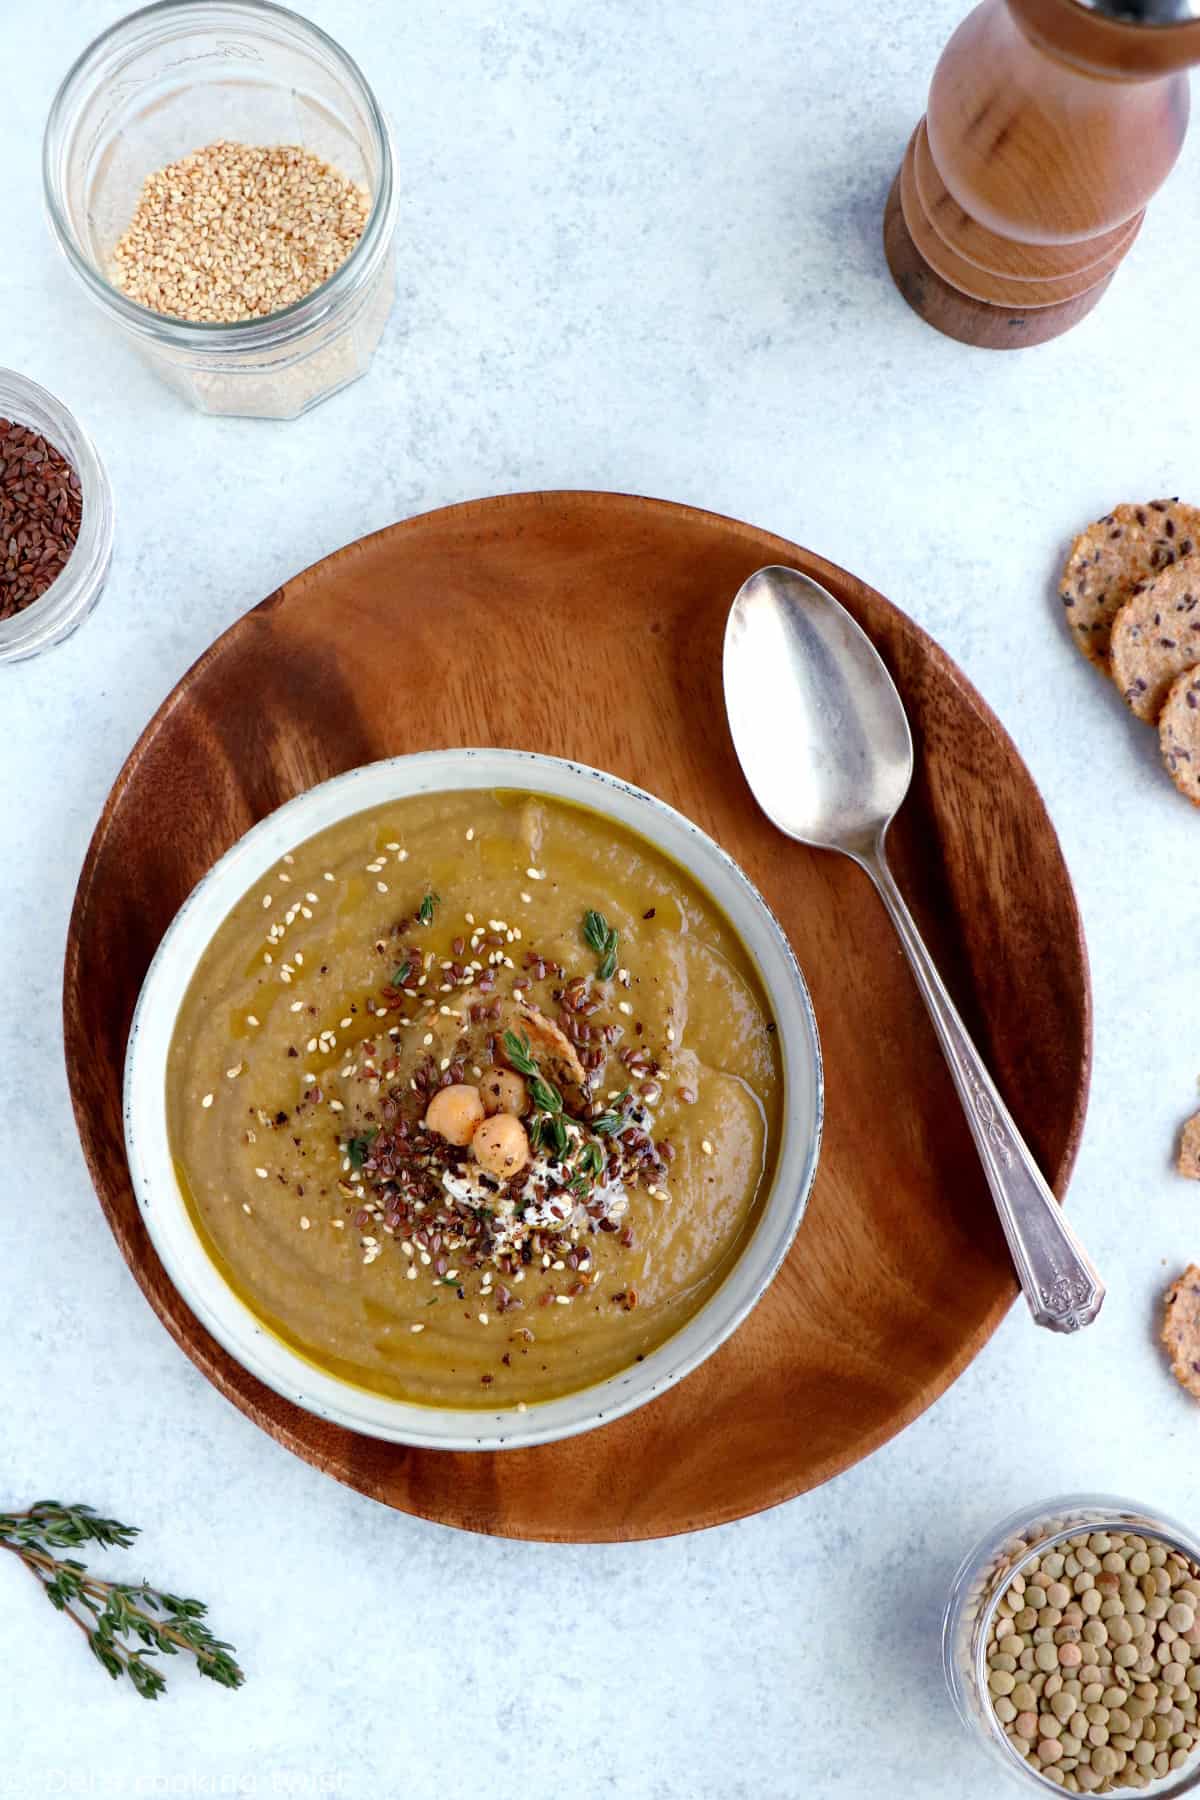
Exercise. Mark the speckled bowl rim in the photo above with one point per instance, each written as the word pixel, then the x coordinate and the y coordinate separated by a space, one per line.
pixel 231 1321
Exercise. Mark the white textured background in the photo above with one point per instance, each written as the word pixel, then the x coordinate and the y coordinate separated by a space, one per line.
pixel 639 249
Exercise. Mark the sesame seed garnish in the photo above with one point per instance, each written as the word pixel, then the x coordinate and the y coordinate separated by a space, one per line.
pixel 246 1207
pixel 346 1023
pixel 306 912
pixel 402 856
pixel 415 1328
pixel 624 1006
pixel 336 1106
pixel 521 1406
pixel 304 1223
pixel 312 898
pixel 284 977
pixel 267 957
pixel 563 1299
pixel 706 1147
pixel 469 917
pixel 296 1006
pixel 207 1100
pixel 470 833
pixel 232 1074
pixel 266 902
pixel 483 1318
pixel 250 1019
pixel 427 1039
pixel 670 1034
pixel 311 1045
pixel 536 874
pixel 528 899
pixel 391 846
pixel 338 1224
pixel 327 875
pixel 382 886
pixel 262 1174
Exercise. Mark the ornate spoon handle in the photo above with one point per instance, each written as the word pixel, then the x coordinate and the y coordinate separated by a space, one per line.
pixel 1056 1274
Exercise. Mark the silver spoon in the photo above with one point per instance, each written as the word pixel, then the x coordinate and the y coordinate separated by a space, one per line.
pixel 823 740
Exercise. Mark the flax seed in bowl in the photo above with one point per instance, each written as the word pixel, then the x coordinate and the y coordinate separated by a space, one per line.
pixel 220 178
pixel 56 520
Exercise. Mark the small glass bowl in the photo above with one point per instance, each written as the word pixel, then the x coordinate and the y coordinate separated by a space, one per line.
pixel 70 598
pixel 170 79
pixel 983 1578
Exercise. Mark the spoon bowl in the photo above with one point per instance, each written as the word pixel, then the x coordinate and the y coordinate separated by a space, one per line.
pixel 818 726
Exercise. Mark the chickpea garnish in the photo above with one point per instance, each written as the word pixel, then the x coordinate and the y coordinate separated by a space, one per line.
pixel 500 1146
pixel 454 1112
pixel 504 1091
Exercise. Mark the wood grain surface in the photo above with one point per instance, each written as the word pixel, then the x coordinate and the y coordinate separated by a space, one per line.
pixel 589 626
pixel 1049 129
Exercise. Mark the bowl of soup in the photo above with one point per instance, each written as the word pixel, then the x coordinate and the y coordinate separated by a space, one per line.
pixel 473 1099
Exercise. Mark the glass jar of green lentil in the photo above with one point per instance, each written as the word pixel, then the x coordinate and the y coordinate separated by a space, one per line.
pixel 1054 1611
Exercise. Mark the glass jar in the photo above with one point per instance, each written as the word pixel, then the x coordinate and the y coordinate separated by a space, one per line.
pixel 169 80
pixel 983 1578
pixel 70 598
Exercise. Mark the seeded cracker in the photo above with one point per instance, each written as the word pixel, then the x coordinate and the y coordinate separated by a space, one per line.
pixel 1108 561
pixel 1189 1149
pixel 1179 733
pixel 1181 1329
pixel 1155 636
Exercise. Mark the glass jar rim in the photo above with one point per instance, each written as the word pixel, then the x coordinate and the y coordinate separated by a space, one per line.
pixel 1108 1512
pixel 71 596
pixel 276 329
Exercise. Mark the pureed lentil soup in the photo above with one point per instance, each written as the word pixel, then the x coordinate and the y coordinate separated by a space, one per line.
pixel 475 1099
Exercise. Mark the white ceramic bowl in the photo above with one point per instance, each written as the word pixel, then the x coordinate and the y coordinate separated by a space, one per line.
pixel 183 1255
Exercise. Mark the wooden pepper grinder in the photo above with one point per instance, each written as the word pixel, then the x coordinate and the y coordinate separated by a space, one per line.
pixel 1051 123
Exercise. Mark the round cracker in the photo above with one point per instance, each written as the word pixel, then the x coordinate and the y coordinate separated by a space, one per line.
pixel 1156 636
pixel 1181 1329
pixel 1108 560
pixel 1179 733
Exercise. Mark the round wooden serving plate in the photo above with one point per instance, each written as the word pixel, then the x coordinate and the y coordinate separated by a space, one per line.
pixel 589 626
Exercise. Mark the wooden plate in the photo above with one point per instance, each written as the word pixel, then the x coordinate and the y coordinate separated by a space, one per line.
pixel 589 626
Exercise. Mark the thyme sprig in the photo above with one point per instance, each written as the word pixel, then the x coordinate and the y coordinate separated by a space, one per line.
pixel 543 1093
pixel 604 940
pixel 425 910
pixel 126 1624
